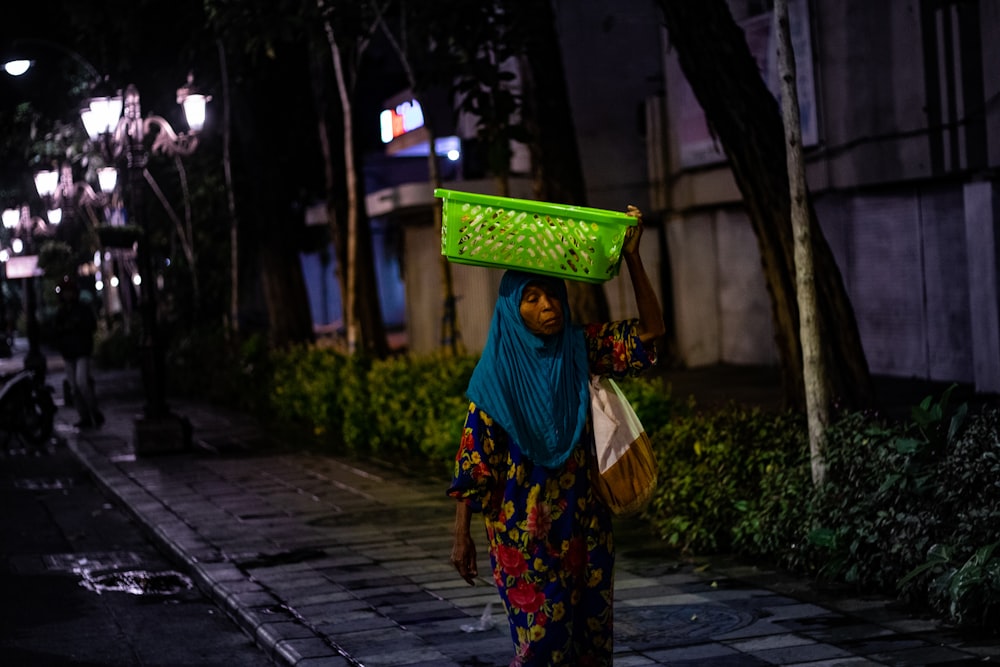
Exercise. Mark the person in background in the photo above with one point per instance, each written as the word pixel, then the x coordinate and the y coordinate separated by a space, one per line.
pixel 75 325
pixel 524 462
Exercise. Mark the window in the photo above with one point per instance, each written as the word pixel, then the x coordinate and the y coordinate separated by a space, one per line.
pixel 953 64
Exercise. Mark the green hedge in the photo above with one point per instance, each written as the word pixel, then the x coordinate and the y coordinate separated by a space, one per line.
pixel 404 406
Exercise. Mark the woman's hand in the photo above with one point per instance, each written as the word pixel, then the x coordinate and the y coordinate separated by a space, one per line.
pixel 634 233
pixel 463 549
pixel 463 557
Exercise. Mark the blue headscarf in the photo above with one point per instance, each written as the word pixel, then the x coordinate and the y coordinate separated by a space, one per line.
pixel 535 387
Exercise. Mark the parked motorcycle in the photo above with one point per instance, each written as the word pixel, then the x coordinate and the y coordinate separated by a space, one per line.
pixel 27 409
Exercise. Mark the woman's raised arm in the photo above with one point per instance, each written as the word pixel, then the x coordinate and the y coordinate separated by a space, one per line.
pixel 651 324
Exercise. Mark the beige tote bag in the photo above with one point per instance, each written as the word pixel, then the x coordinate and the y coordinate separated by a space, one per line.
pixel 624 470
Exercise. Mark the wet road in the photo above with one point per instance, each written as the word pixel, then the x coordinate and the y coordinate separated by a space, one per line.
pixel 81 585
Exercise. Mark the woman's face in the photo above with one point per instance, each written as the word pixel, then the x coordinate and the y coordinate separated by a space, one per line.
pixel 541 309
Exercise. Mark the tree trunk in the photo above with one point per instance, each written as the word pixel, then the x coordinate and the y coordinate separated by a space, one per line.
pixel 276 232
pixel 813 372
pixel 362 316
pixel 351 177
pixel 724 76
pixel 227 167
pixel 284 287
pixel 555 155
pixel 373 341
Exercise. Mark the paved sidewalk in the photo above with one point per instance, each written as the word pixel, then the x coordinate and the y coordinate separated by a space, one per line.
pixel 326 562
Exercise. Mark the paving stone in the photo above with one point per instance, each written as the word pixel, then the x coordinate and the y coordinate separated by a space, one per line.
pixel 355 622
pixel 770 642
pixel 293 651
pixel 804 653
pixel 707 652
pixel 412 656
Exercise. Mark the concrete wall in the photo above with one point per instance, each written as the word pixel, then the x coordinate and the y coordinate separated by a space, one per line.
pixel 982 233
pixel 721 305
pixel 870 90
pixel 475 294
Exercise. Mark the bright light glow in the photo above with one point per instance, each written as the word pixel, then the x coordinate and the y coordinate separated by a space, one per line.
pixel 194 111
pixel 454 154
pixel 136 279
pixel 17 245
pixel 102 115
pixel 97 258
pixel 99 285
pixel 16 67
pixel 46 182
pixel 385 125
pixel 55 216
pixel 11 217
pixel 406 117
pixel 114 281
pixel 4 255
pixel 107 178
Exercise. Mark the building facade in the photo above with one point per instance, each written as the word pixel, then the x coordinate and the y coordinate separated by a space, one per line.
pixel 901 126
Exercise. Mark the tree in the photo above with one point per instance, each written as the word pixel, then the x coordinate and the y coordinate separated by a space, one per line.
pixel 348 30
pixel 556 170
pixel 263 51
pixel 413 42
pixel 744 115
pixel 813 372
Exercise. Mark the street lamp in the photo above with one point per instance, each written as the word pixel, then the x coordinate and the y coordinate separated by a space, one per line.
pixel 117 126
pixel 58 189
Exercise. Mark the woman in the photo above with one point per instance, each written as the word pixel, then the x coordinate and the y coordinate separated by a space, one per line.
pixel 75 325
pixel 524 463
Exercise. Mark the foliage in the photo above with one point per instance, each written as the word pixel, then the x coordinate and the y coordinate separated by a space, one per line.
pixel 355 399
pixel 307 386
pixel 240 370
pixel 773 526
pixel 475 42
pixel 652 402
pixel 712 466
pixel 961 570
pixel 56 259
pixel 405 406
pixel 914 507
pixel 417 404
pixel 879 501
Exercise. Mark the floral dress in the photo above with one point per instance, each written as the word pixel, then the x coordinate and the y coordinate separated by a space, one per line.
pixel 551 543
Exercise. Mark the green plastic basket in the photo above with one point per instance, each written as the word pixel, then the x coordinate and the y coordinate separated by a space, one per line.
pixel 571 242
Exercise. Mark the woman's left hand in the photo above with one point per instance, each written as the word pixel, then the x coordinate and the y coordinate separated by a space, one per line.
pixel 634 233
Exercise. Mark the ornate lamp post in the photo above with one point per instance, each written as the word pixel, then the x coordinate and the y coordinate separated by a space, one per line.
pixel 117 126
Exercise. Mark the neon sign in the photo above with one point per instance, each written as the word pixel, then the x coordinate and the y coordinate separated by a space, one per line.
pixel 406 117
